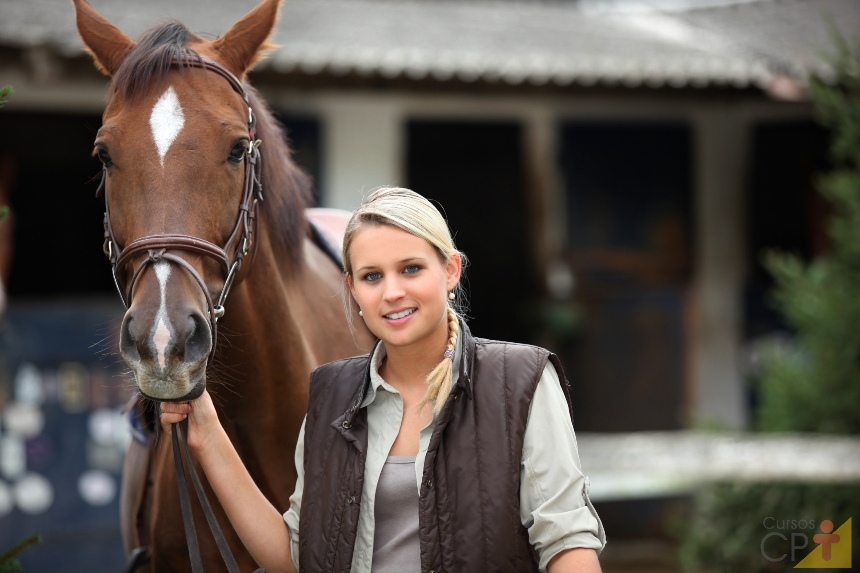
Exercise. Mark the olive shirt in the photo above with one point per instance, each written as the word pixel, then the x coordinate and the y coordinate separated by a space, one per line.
pixel 554 504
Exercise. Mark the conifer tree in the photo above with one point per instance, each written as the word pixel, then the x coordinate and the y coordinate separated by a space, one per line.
pixel 9 559
pixel 814 385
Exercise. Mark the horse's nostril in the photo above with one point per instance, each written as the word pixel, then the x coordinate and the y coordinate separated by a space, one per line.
pixel 128 344
pixel 198 338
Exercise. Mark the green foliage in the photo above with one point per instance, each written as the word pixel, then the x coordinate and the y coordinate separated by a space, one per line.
pixel 813 384
pixel 729 526
pixel 5 93
pixel 9 560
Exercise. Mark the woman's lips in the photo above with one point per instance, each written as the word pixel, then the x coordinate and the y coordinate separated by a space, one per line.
pixel 402 319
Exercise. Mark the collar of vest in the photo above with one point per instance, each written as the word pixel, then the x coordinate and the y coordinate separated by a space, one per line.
pixel 467 362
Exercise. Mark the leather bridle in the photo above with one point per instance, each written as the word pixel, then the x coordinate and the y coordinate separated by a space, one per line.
pixel 241 242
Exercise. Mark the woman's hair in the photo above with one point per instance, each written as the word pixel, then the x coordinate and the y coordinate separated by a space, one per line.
pixel 407 210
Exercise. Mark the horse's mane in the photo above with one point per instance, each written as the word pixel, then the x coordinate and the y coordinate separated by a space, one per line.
pixel 286 188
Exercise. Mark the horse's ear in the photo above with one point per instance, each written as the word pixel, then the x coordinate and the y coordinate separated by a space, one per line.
pixel 245 43
pixel 104 41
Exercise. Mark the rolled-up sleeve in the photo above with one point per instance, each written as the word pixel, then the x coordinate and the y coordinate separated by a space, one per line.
pixel 554 504
pixel 292 515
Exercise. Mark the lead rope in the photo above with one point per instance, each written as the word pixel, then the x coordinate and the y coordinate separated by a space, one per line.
pixel 185 502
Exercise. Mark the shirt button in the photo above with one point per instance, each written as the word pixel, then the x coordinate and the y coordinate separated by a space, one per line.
pixel 351 499
pixel 429 483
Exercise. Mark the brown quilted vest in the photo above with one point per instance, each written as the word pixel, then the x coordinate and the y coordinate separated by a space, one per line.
pixel 469 507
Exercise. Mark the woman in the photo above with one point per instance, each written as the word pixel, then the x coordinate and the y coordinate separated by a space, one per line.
pixel 409 463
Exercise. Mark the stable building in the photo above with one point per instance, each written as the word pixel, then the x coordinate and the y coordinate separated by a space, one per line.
pixel 613 169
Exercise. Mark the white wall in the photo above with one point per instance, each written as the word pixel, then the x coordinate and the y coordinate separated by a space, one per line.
pixel 362 147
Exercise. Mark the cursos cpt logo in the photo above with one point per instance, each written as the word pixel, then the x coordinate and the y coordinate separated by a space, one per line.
pixel 832 551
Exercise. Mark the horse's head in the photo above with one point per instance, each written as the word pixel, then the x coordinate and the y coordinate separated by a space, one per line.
pixel 173 141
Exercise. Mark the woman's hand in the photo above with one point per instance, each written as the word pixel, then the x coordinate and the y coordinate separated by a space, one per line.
pixel 202 419
pixel 260 526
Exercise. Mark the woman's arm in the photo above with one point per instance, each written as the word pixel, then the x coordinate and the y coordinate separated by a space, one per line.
pixel 563 526
pixel 260 526
pixel 576 560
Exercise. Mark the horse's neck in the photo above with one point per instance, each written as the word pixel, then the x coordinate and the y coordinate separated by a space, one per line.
pixel 260 340
pixel 282 321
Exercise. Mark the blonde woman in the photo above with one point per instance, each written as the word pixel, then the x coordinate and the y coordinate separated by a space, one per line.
pixel 437 452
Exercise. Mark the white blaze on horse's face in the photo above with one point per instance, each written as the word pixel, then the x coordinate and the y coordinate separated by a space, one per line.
pixel 161 331
pixel 166 121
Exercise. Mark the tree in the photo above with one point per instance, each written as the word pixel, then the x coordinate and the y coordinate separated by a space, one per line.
pixel 9 560
pixel 814 385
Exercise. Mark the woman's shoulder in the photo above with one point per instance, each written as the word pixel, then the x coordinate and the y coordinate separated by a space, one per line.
pixel 333 370
pixel 508 348
pixel 538 360
pixel 336 382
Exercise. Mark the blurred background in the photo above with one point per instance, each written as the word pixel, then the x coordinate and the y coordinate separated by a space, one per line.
pixel 617 171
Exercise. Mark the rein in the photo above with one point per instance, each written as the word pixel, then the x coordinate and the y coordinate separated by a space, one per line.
pixel 241 242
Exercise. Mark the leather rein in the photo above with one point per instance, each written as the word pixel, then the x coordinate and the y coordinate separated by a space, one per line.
pixel 241 242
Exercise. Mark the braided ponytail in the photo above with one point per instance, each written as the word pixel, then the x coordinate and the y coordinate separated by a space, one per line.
pixel 439 380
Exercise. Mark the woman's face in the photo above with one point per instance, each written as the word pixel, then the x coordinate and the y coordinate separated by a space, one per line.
pixel 400 284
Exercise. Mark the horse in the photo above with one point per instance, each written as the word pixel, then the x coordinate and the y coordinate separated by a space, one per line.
pixel 177 143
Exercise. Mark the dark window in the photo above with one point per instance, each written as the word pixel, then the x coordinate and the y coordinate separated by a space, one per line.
pixel 786 210
pixel 628 189
pixel 57 220
pixel 303 135
pixel 475 171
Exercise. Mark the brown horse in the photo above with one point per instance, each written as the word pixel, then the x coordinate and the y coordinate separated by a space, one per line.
pixel 173 141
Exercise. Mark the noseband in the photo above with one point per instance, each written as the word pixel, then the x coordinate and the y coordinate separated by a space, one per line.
pixel 242 240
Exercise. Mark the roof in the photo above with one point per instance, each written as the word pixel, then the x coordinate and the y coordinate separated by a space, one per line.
pixel 631 42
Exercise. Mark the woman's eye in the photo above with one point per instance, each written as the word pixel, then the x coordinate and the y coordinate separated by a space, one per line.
pixel 237 154
pixel 372 277
pixel 412 269
pixel 104 157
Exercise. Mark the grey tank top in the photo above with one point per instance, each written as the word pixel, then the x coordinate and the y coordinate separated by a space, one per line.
pixel 396 548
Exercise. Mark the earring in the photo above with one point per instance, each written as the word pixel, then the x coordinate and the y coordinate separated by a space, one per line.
pixel 360 313
pixel 451 295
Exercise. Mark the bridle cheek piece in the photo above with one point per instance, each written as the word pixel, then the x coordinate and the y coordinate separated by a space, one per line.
pixel 241 242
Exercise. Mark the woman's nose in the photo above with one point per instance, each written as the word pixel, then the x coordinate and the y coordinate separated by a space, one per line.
pixel 393 290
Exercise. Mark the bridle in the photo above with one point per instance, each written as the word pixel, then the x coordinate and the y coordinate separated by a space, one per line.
pixel 241 242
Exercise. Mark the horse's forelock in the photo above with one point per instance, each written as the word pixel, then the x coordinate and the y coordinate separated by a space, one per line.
pixel 149 61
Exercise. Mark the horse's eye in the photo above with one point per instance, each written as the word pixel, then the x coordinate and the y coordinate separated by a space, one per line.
pixel 104 157
pixel 238 152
